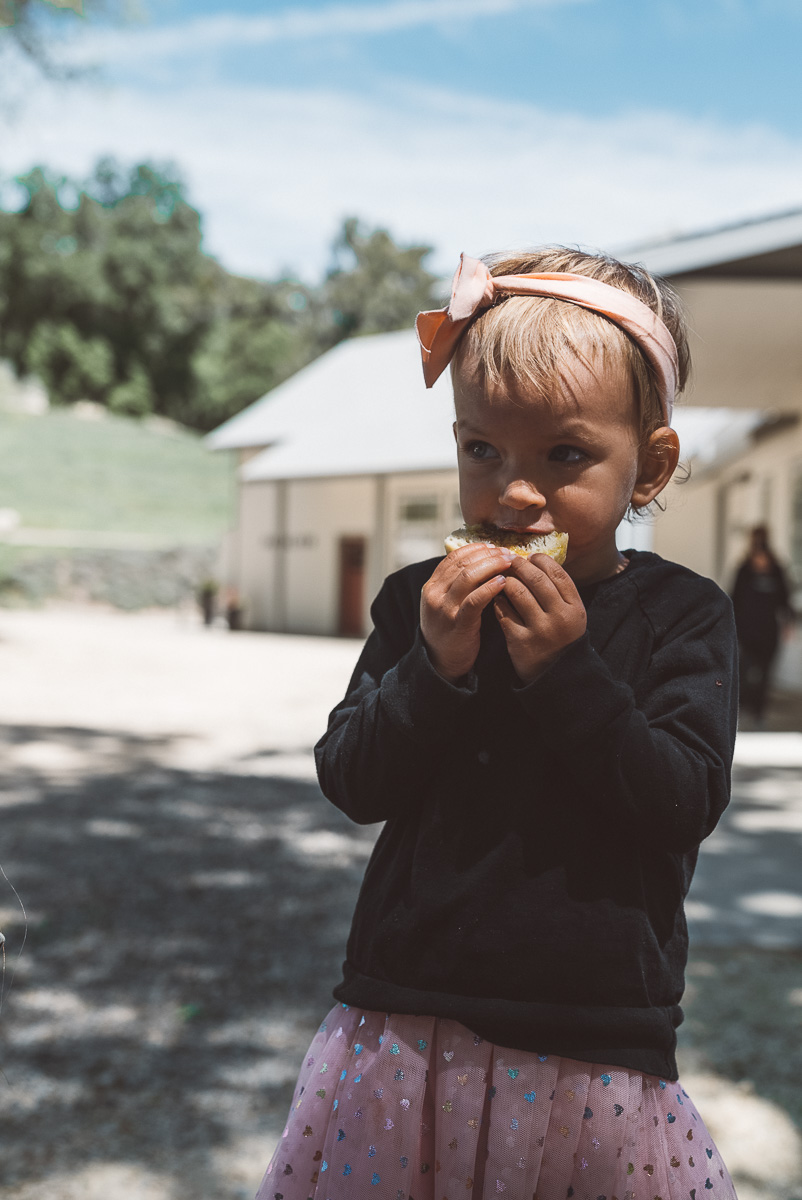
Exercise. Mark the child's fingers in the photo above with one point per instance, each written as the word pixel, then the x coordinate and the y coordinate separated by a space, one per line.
pixel 479 598
pixel 464 570
pixel 551 592
pixel 506 614
pixel 525 599
pixel 560 578
pixel 469 558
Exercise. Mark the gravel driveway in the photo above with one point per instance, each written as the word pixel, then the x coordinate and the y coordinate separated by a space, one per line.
pixel 188 895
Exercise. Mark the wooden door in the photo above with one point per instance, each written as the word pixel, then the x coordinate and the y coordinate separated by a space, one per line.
pixel 351 620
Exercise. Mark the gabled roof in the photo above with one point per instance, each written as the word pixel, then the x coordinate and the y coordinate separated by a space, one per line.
pixel 362 408
pixel 764 248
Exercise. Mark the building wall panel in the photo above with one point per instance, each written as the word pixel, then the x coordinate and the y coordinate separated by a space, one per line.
pixel 319 513
pixel 254 554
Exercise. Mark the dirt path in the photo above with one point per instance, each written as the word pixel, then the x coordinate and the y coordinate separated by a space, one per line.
pixel 189 892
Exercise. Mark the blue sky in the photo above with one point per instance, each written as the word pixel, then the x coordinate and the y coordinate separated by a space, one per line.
pixel 474 124
pixel 731 60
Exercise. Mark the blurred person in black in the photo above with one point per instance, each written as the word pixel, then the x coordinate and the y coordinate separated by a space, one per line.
pixel 761 600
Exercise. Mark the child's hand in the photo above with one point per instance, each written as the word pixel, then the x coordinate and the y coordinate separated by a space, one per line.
pixel 540 613
pixel 452 602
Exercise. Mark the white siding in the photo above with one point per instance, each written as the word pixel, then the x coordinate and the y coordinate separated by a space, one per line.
pixel 319 513
pixel 686 531
pixel 410 533
pixel 285 556
pixel 255 554
pixel 745 342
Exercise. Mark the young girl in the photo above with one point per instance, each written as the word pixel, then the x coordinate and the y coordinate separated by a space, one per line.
pixel 548 746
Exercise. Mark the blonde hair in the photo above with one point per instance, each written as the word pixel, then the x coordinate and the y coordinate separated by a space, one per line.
pixel 529 338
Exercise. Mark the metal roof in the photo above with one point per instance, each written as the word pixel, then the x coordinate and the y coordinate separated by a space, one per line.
pixel 765 247
pixel 362 408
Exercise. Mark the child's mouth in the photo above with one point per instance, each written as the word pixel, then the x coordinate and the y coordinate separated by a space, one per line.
pixel 522 542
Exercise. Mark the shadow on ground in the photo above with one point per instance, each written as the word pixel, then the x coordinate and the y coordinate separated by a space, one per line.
pixel 186 927
pixel 744 1018
pixel 185 930
pixel 747 889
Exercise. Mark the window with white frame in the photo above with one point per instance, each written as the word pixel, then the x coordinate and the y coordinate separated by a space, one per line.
pixel 418 528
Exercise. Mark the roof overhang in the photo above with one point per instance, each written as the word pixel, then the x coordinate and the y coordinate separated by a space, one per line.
pixel 765 248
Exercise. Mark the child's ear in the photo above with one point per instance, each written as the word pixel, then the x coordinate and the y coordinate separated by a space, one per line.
pixel 657 462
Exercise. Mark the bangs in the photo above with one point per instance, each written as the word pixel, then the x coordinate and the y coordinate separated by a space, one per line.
pixel 529 342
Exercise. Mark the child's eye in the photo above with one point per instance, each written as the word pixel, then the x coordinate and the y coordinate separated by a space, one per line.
pixel 567 454
pixel 480 451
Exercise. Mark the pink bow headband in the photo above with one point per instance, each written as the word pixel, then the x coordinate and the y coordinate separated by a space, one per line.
pixel 474 289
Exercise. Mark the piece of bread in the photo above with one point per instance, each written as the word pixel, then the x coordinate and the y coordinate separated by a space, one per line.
pixel 554 544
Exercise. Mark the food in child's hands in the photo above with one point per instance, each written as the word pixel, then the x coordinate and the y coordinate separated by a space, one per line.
pixel 553 544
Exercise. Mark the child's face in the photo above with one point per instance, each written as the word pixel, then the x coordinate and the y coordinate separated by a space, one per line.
pixel 567 462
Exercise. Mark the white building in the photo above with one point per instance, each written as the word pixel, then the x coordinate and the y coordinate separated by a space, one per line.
pixel 347 470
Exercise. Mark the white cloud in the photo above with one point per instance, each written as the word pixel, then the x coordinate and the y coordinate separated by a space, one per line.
pixel 225 31
pixel 274 171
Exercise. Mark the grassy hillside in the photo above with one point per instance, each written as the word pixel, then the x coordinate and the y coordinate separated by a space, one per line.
pixel 61 471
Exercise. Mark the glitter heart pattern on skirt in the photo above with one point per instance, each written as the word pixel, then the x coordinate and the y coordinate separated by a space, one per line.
pixel 399 1120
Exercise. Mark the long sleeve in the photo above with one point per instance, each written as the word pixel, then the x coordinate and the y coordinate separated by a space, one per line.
pixel 382 739
pixel 529 883
pixel 654 755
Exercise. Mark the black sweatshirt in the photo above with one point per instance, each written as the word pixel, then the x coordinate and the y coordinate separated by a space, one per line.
pixel 540 839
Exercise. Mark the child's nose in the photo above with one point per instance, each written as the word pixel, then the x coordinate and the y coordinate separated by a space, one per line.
pixel 522 493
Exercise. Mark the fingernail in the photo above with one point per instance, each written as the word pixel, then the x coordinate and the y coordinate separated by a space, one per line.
pixel 508 554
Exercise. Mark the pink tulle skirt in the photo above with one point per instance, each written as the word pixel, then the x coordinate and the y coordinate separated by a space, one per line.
pixel 419 1108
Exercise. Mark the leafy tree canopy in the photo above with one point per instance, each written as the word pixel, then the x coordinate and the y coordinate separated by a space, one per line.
pixel 20 13
pixel 32 26
pixel 375 285
pixel 106 294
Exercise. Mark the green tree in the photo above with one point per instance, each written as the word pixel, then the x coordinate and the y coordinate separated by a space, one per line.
pixel 262 333
pixel 33 26
pixel 134 396
pixel 106 293
pixel 376 286
pixel 69 364
pixel 20 14
pixel 119 261
pixel 17 12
